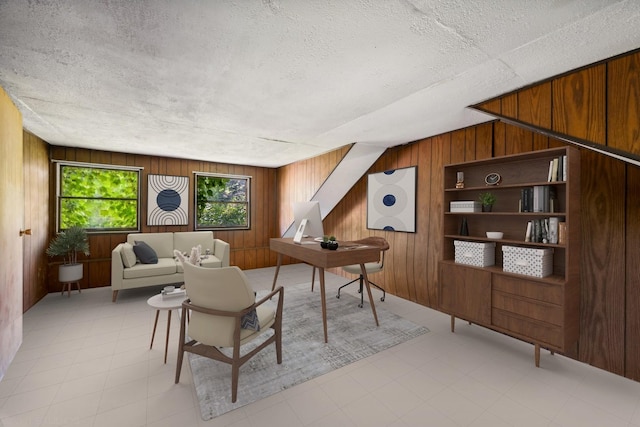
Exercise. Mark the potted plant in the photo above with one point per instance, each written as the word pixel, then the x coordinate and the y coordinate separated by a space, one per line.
pixel 332 244
pixel 487 199
pixel 67 244
pixel 325 242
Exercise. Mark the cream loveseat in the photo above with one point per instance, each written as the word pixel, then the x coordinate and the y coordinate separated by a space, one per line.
pixel 129 272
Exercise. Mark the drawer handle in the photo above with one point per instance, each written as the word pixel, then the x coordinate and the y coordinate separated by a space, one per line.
pixel 468 255
pixel 522 263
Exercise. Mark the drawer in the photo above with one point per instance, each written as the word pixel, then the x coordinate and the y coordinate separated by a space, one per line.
pixel 540 291
pixel 525 307
pixel 544 333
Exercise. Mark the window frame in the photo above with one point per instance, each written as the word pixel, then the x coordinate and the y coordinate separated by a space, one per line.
pixel 60 164
pixel 196 226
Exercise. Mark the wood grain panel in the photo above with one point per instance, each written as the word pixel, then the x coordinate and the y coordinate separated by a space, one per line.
pixel 602 266
pixel 499 139
pixel 424 229
pixel 579 104
pixel 440 149
pixel 623 103
pixel 458 139
pixel 470 144
pixel 632 309
pixel 534 105
pixel 484 141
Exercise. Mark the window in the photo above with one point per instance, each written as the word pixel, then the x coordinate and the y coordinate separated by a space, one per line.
pixel 222 202
pixel 97 197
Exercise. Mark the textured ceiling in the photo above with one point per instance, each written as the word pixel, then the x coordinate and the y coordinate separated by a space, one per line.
pixel 271 82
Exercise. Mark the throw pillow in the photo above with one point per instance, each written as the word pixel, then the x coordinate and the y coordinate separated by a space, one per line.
pixel 250 321
pixel 128 255
pixel 145 253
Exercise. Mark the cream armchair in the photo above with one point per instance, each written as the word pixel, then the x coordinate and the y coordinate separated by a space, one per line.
pixel 223 313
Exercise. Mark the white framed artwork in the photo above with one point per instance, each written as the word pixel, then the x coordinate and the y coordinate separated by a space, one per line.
pixel 168 198
pixel 391 200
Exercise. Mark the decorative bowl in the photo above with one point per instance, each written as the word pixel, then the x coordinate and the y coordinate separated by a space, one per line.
pixel 169 289
pixel 495 234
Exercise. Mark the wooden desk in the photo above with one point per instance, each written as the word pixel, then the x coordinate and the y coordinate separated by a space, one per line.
pixel 320 258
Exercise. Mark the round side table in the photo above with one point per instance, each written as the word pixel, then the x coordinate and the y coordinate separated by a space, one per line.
pixel 168 304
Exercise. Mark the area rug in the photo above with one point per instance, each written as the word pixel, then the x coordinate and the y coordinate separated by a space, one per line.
pixel 353 335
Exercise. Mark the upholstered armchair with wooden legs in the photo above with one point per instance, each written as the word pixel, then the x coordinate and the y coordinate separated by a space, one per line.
pixel 224 313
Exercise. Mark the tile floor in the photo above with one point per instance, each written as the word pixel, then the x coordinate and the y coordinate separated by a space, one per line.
pixel 86 362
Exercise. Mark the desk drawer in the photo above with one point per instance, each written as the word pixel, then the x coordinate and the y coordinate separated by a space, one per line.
pixel 532 289
pixel 544 333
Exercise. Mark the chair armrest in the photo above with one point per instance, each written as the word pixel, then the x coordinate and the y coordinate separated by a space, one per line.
pixel 221 250
pixel 117 267
pixel 279 290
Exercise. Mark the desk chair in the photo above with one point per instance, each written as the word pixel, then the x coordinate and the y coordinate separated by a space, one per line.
pixel 370 267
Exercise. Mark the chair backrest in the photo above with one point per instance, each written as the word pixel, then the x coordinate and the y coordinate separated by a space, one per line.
pixel 226 289
pixel 376 241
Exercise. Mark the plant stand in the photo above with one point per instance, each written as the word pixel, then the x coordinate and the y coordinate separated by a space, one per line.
pixel 67 286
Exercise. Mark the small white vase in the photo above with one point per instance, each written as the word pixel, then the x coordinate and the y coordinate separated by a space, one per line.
pixel 70 273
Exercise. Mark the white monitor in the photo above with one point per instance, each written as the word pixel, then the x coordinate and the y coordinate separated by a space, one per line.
pixel 311 212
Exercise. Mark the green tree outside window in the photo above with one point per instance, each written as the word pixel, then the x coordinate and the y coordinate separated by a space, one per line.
pixel 98 199
pixel 222 202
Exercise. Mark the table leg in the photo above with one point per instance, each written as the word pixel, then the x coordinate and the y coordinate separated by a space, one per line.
pixel 366 282
pixel 275 277
pixel 166 344
pixel 153 334
pixel 323 298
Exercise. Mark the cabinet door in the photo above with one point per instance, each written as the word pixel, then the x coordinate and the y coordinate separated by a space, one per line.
pixel 465 292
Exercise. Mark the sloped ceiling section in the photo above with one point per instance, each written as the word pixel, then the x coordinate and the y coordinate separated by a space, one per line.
pixel 270 82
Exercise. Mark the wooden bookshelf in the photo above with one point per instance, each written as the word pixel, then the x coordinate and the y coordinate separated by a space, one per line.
pixel 543 311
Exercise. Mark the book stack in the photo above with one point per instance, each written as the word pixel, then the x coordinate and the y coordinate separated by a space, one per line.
pixel 558 169
pixel 544 230
pixel 539 198
pixel 177 293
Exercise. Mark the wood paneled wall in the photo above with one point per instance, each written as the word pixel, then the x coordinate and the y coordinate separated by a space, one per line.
pixel 36 218
pixel 249 248
pixel 600 103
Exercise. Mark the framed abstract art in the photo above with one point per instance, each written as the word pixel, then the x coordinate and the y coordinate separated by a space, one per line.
pixel 168 200
pixel 391 200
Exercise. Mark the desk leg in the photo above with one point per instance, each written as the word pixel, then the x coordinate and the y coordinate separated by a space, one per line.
pixel 275 276
pixel 323 298
pixel 366 282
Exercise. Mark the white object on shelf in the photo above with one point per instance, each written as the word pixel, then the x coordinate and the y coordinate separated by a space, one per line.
pixel 495 234
pixel 478 254
pixel 527 261
pixel 465 206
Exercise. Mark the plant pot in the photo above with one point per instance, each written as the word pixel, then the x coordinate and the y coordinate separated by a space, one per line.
pixel 487 208
pixel 324 245
pixel 332 246
pixel 70 273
